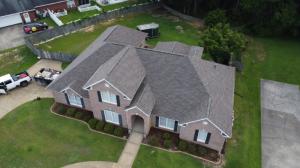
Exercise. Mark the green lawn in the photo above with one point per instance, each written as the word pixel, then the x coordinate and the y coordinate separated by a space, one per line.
pixel 16 60
pixel 31 136
pixel 149 157
pixel 128 3
pixel 75 15
pixel 75 43
pixel 274 59
pixel 49 21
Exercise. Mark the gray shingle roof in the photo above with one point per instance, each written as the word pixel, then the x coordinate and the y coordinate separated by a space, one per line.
pixel 125 71
pixel 179 48
pixel 83 67
pixel 144 98
pixel 176 86
pixel 219 80
pixel 124 35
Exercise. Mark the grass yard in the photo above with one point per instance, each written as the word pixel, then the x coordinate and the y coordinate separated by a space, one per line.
pixel 128 3
pixel 16 60
pixel 75 43
pixel 274 59
pixel 149 157
pixel 49 21
pixel 31 136
pixel 75 15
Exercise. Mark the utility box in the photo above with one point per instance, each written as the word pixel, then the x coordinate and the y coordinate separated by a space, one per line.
pixel 152 29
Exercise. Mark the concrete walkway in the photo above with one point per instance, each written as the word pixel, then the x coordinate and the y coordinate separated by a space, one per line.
pixel 126 159
pixel 20 96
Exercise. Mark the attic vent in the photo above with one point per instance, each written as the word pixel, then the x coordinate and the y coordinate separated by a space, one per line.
pixel 107 85
pixel 204 123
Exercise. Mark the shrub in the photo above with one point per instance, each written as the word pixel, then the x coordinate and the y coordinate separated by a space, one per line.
pixel 192 148
pixel 154 140
pixel 86 118
pixel 119 131
pixel 100 125
pixel 61 110
pixel 71 112
pixel 92 122
pixel 79 115
pixel 109 128
pixel 168 143
pixel 166 136
pixel 202 151
pixel 182 145
pixel 214 17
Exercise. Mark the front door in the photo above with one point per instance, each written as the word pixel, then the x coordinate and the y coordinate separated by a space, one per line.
pixel 138 124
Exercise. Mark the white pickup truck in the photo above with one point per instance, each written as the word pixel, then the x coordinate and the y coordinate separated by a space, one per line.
pixel 9 82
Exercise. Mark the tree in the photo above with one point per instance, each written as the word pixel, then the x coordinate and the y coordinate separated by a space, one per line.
pixel 223 43
pixel 214 17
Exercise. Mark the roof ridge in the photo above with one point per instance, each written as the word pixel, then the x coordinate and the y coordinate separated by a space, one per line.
pixel 125 52
pixel 113 29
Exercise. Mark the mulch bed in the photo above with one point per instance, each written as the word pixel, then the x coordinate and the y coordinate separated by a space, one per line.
pixel 157 137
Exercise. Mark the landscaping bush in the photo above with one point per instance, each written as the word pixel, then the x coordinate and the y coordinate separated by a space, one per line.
pixel 79 115
pixel 192 148
pixel 71 112
pixel 109 128
pixel 154 140
pixel 168 143
pixel 202 151
pixel 100 125
pixel 119 131
pixel 61 110
pixel 92 122
pixel 166 136
pixel 87 117
pixel 182 145
pixel 214 17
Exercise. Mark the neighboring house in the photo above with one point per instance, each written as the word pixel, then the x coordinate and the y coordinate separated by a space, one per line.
pixel 25 11
pixel 169 87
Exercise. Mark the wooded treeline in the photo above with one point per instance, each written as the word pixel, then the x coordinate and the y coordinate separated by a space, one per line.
pixel 261 17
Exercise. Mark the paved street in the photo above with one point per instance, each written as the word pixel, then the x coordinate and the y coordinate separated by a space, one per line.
pixel 11 36
pixel 280 125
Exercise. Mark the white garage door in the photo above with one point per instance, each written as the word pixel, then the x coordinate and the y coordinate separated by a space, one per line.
pixel 11 19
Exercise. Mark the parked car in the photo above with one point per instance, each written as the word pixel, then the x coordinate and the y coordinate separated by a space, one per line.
pixel 46 75
pixel 9 82
pixel 35 27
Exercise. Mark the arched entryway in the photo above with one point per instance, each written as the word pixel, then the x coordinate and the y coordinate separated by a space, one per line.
pixel 137 124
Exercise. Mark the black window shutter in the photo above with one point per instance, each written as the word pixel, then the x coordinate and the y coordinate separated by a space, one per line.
pixel 175 126
pixel 67 99
pixel 120 120
pixel 118 100
pixel 207 138
pixel 99 96
pixel 156 121
pixel 196 135
pixel 82 102
pixel 102 114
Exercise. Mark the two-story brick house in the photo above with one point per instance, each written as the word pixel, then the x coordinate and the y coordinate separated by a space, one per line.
pixel 169 87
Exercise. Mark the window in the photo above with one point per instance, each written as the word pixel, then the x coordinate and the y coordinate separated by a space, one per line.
pixel 108 97
pixel 111 117
pixel 74 100
pixel 166 123
pixel 7 82
pixel 202 135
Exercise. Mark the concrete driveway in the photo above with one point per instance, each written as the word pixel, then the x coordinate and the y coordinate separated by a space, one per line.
pixel 11 36
pixel 280 124
pixel 20 96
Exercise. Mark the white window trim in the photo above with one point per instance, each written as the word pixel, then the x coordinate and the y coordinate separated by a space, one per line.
pixel 75 104
pixel 162 126
pixel 110 121
pixel 200 140
pixel 110 95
